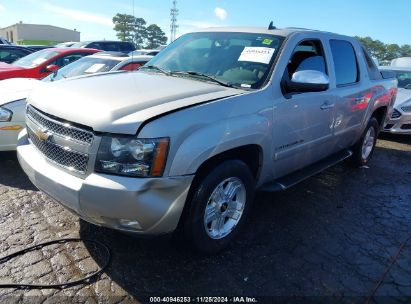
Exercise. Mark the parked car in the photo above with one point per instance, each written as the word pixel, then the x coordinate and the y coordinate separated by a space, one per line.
pixel 10 53
pixel 186 140
pixel 106 45
pixel 144 52
pixel 400 121
pixel 401 62
pixel 15 91
pixel 65 44
pixel 98 63
pixel 4 41
pixel 42 63
pixel 39 47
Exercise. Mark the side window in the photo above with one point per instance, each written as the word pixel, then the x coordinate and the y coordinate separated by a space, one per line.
pixel 65 60
pixel 110 47
pixel 308 55
pixel 345 62
pixel 132 66
pixel 11 55
pixel 373 71
pixel 4 55
pixel 95 45
pixel 126 47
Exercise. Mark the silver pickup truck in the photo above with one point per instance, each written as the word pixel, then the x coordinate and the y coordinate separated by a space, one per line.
pixel 183 143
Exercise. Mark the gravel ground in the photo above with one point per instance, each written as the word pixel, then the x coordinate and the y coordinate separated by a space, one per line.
pixel 329 239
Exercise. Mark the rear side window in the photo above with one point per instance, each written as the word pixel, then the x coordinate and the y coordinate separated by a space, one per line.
pixel 345 62
pixel 373 71
pixel 126 47
pixel 132 66
pixel 95 45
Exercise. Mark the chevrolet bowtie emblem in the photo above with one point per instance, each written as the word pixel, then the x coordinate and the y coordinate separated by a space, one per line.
pixel 43 135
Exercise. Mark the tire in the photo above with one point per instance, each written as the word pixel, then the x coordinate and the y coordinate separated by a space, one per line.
pixel 364 148
pixel 226 217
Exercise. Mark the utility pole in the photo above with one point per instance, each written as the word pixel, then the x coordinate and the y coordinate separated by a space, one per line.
pixel 173 21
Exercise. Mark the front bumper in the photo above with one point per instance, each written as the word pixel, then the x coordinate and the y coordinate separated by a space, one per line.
pixel 400 125
pixel 139 205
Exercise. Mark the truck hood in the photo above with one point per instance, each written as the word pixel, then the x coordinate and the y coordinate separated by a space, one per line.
pixel 121 102
pixel 16 89
pixel 403 97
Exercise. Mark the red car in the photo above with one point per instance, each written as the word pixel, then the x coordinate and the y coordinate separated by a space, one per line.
pixel 40 64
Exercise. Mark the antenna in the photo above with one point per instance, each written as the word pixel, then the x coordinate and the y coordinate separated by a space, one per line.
pixel 173 21
pixel 271 26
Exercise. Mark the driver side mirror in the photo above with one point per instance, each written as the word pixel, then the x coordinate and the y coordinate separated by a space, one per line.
pixel 52 68
pixel 308 81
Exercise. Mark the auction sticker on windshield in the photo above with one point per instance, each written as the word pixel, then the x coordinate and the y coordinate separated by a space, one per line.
pixel 257 54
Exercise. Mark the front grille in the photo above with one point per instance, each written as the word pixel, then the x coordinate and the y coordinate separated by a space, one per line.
pixel 63 157
pixel 59 128
pixel 406 108
pixel 396 114
pixel 406 127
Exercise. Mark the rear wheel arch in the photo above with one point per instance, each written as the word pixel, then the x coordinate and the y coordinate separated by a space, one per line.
pixel 379 114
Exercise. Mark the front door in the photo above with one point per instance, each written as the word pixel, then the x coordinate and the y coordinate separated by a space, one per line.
pixel 303 121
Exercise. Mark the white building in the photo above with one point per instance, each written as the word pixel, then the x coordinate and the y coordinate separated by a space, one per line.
pixel 38 34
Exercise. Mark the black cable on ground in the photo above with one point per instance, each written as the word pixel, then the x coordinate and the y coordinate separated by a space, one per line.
pixel 86 280
pixel 387 270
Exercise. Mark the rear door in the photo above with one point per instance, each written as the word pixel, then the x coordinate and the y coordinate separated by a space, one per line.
pixel 351 90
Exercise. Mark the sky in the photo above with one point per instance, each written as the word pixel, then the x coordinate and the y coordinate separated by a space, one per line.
pixel 386 20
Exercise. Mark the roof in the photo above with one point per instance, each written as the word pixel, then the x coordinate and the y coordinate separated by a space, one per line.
pixel 90 41
pixel 14 46
pixel 284 32
pixel 70 50
pixel 133 58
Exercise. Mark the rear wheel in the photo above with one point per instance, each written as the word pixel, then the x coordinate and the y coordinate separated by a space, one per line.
pixel 364 148
pixel 218 206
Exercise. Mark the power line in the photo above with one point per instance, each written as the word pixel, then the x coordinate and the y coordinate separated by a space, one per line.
pixel 173 21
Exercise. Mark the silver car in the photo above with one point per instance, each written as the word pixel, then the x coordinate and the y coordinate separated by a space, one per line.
pixel 400 120
pixel 183 143
pixel 15 91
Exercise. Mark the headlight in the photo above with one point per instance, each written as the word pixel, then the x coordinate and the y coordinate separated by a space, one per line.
pixel 5 115
pixel 132 156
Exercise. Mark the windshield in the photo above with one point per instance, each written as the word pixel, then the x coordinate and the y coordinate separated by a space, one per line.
pixel 83 66
pixel 236 59
pixel 404 79
pixel 35 59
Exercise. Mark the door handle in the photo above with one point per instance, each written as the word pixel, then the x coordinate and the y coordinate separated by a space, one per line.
pixel 327 106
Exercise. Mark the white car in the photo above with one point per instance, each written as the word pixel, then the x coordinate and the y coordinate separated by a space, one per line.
pixel 400 120
pixel 144 52
pixel 15 91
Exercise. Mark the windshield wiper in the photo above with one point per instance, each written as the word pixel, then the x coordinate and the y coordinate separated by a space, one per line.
pixel 208 77
pixel 154 67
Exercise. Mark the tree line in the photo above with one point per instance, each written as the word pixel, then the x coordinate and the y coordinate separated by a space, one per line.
pixel 383 51
pixel 132 29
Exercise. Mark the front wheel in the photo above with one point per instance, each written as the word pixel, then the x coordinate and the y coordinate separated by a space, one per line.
pixel 364 148
pixel 218 206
